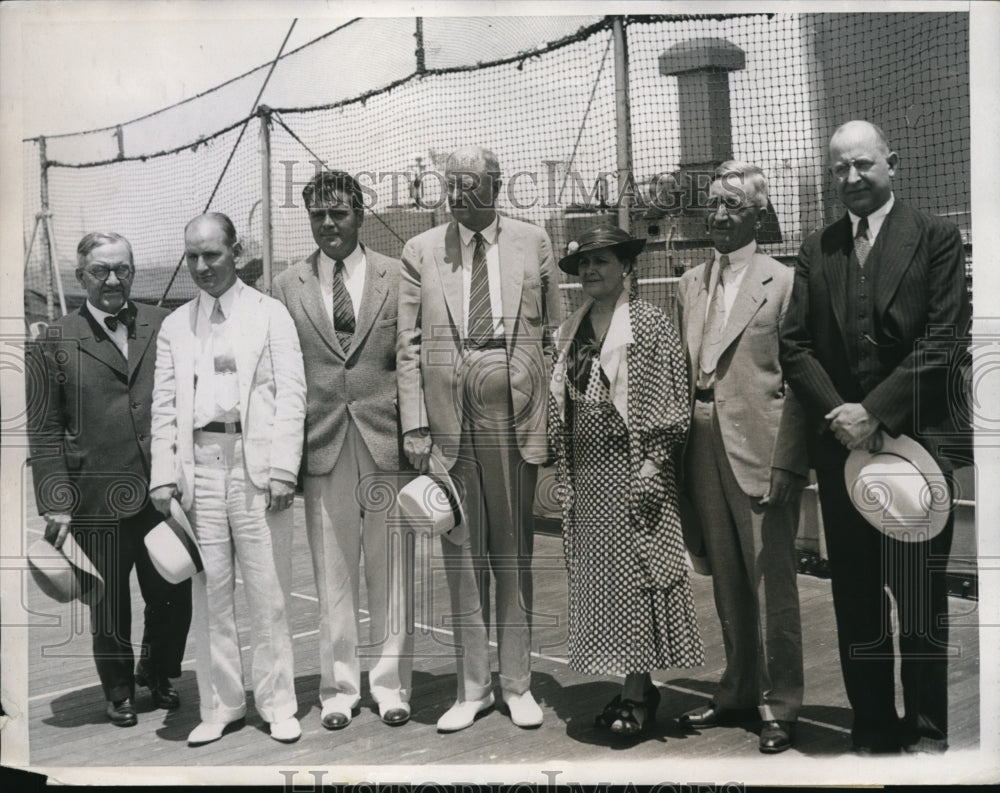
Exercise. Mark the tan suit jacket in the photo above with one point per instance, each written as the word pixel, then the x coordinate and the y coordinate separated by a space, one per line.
pixel 359 386
pixel 762 423
pixel 429 349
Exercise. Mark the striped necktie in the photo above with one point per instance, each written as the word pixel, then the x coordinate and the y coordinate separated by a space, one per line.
pixel 343 308
pixel 715 324
pixel 480 309
pixel 862 245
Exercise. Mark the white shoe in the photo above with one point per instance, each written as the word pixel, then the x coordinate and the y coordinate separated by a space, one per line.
pixel 463 713
pixel 524 711
pixel 286 730
pixel 209 731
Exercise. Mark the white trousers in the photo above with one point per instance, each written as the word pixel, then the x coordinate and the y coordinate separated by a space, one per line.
pixel 346 512
pixel 229 520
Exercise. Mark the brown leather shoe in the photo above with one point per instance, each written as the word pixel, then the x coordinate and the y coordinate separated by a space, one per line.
pixel 776 736
pixel 122 713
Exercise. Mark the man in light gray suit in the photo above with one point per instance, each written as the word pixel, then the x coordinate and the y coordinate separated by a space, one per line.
pixel 745 461
pixel 342 298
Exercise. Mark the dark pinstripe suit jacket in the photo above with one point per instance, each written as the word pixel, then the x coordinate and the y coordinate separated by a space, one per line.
pixel 921 319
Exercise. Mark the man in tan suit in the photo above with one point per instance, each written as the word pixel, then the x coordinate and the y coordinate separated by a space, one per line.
pixel 476 299
pixel 342 298
pixel 745 462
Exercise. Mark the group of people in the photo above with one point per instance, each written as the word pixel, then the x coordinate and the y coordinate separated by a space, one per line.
pixel 364 371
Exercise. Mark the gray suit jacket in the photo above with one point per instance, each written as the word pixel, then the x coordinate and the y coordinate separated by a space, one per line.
pixel 762 423
pixel 359 386
pixel 431 313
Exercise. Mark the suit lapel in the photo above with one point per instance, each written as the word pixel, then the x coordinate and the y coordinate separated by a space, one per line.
pixel 98 345
pixel 749 299
pixel 893 257
pixel 449 263
pixel 511 251
pixel 249 335
pixel 372 298
pixel 311 298
pixel 836 256
pixel 138 345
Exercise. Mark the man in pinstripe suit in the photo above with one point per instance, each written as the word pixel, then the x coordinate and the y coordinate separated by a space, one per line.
pixel 875 294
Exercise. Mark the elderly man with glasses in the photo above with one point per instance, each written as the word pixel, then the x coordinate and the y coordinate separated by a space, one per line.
pixel 89 418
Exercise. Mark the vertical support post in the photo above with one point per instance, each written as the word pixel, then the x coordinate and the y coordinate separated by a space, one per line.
pixel 419 36
pixel 267 245
pixel 50 310
pixel 623 124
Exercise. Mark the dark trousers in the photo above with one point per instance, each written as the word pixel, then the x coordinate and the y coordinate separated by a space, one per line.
pixel 863 563
pixel 114 550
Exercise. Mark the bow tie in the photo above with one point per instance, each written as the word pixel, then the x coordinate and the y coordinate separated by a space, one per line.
pixel 126 317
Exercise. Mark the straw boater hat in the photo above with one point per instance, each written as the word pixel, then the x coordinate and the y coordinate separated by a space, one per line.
pixel 431 503
pixel 173 548
pixel 899 489
pixel 598 238
pixel 65 573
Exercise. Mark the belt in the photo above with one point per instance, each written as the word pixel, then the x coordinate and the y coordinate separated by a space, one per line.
pixel 704 394
pixel 228 427
pixel 498 343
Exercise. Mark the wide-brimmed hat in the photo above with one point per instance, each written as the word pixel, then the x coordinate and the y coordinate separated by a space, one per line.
pixel 694 535
pixel 173 548
pixel 431 504
pixel 599 238
pixel 899 489
pixel 65 573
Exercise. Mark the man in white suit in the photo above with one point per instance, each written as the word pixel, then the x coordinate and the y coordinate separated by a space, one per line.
pixel 227 425
pixel 477 298
pixel 342 298
pixel 745 461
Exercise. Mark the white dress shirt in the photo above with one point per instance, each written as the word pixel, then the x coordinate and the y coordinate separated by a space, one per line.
pixel 119 335
pixel 875 219
pixel 493 271
pixel 208 382
pixel 355 266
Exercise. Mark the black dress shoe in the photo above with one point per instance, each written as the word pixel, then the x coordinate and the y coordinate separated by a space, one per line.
pixel 160 688
pixel 711 715
pixel 335 720
pixel 122 713
pixel 776 736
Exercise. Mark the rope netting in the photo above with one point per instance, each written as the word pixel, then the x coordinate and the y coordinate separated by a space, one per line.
pixel 540 92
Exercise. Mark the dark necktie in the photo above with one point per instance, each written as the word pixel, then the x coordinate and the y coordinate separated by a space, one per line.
pixel 862 245
pixel 125 317
pixel 480 309
pixel 343 308
pixel 715 324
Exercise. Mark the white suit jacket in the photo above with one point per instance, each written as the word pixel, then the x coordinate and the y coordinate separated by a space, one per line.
pixel 272 392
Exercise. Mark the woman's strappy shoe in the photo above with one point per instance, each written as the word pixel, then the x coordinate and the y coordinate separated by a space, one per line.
pixel 627 721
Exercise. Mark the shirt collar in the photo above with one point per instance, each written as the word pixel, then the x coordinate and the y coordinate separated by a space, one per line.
pixel 99 315
pixel 226 299
pixel 351 262
pixel 739 258
pixel 874 219
pixel 489 233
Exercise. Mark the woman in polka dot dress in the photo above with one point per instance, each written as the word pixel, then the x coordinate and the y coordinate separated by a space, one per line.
pixel 618 409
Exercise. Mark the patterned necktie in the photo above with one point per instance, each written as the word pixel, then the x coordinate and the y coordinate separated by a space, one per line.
pixel 480 309
pixel 715 323
pixel 126 317
pixel 862 245
pixel 226 384
pixel 343 308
